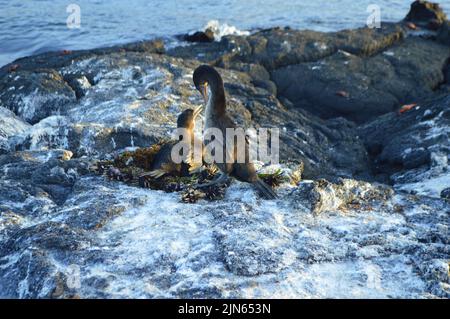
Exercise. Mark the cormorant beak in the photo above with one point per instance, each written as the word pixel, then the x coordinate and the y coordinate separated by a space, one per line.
pixel 205 91
pixel 197 111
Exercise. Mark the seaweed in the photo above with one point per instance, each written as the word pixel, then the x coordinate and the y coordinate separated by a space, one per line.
pixel 273 179
pixel 142 157
pixel 192 195
pixel 130 167
pixel 280 176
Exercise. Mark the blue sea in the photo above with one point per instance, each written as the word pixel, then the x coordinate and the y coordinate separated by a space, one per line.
pixel 30 27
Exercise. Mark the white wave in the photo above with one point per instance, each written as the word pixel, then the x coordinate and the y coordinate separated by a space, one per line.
pixel 221 30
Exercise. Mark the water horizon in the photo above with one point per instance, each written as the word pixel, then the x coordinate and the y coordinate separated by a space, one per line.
pixel 30 28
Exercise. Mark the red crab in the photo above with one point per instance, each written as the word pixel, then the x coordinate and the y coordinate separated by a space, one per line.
pixel 343 94
pixel 13 67
pixel 406 108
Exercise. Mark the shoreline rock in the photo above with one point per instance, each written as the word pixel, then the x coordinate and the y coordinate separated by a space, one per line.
pixel 426 14
pixel 366 111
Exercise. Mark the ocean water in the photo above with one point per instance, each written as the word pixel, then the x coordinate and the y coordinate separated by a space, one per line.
pixel 30 27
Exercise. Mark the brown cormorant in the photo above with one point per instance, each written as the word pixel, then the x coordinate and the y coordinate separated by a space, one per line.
pixel 163 163
pixel 209 83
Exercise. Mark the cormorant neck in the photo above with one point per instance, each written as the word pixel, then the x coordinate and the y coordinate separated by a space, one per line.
pixel 217 100
pixel 189 136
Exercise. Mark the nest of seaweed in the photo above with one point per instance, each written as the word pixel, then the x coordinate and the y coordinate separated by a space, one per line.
pixel 130 166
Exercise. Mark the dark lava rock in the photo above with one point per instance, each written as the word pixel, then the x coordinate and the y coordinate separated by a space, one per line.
pixel 322 145
pixel 35 95
pixel 445 194
pixel 426 14
pixel 150 46
pixel 412 141
pixel 200 293
pixel 276 47
pixel 131 242
pixel 122 87
pixel 409 71
pixel 57 60
pixel 30 276
pixel 49 133
pixel 10 126
pixel 32 273
pixel 49 236
pixel 50 175
pixel 244 256
pixel 200 36
pixel 443 35
pixel 416 158
pixel 80 84
pixel 260 76
pixel 321 195
pixel 378 69
pixel 99 211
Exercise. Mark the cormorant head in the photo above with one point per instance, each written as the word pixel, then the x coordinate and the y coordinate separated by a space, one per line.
pixel 208 82
pixel 187 118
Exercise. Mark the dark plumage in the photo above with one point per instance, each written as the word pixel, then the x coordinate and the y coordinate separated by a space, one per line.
pixel 163 164
pixel 209 83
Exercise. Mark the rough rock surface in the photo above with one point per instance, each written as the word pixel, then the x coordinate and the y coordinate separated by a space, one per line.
pixel 200 36
pixel 278 47
pixel 10 126
pixel 357 74
pixel 350 239
pixel 412 149
pixel 426 14
pixel 369 219
pixel 408 72
pixel 132 100
pixel 311 68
